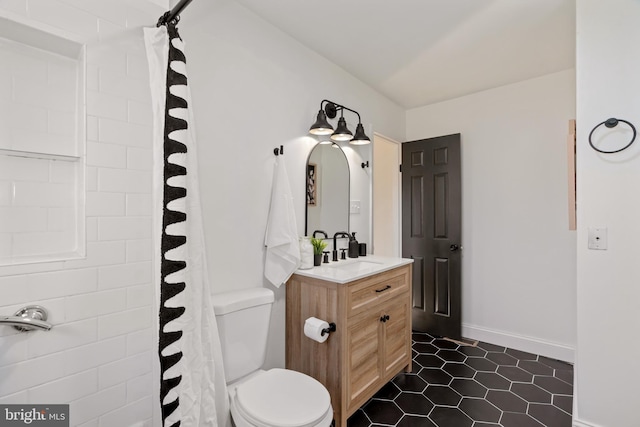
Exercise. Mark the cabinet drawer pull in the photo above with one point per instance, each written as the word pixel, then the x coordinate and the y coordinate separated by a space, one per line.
pixel 384 318
pixel 383 289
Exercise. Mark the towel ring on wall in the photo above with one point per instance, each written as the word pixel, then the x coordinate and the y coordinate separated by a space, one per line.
pixel 611 123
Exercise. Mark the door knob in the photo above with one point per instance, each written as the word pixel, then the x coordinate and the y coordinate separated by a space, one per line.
pixel 454 248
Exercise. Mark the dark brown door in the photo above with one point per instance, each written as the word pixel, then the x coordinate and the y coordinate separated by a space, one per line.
pixel 431 232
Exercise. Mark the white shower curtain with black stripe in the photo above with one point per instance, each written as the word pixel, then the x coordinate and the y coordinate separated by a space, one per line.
pixel 190 377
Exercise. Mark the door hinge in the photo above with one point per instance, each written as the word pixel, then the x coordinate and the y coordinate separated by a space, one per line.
pixel 401 167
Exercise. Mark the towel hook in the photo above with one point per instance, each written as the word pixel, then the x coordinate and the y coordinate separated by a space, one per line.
pixel 278 151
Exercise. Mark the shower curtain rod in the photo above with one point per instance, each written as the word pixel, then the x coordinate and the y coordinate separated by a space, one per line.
pixel 173 14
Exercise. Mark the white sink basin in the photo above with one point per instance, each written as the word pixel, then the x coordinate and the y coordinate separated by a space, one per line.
pixel 354 266
pixel 351 269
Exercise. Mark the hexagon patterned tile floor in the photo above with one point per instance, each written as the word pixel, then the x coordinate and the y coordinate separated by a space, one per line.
pixel 453 385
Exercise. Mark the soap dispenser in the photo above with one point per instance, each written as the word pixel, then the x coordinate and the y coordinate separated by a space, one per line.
pixel 354 247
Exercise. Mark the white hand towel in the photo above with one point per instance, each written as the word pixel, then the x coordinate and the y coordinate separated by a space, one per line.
pixel 281 238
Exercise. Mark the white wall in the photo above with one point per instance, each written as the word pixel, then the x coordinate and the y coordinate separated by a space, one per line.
pixel 255 88
pixel 98 355
pixel 518 268
pixel 608 65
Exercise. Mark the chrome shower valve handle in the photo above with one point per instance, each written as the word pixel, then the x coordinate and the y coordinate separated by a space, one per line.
pixel 28 318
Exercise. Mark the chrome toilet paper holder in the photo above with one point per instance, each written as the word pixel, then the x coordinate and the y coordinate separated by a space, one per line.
pixel 331 328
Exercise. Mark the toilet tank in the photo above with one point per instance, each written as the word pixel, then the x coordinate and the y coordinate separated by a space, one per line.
pixel 243 325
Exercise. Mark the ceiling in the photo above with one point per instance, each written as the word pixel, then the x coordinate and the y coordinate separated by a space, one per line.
pixel 418 52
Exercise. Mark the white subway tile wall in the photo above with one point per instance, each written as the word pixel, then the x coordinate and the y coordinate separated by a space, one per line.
pixel 39 218
pixel 99 354
pixel 40 109
pixel 39 208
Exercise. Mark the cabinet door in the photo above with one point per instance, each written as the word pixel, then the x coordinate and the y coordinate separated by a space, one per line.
pixel 364 358
pixel 396 337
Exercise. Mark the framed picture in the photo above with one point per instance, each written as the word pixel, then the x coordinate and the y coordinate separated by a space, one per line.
pixel 312 179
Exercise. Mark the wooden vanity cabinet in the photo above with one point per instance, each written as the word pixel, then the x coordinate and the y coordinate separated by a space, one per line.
pixel 372 341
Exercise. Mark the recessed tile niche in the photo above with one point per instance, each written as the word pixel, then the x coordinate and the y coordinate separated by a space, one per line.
pixel 42 140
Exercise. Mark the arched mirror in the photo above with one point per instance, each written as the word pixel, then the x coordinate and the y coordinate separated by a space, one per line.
pixel 327 187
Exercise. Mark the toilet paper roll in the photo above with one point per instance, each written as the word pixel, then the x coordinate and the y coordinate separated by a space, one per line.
pixel 313 329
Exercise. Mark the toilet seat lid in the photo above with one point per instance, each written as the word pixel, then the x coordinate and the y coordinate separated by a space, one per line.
pixel 284 398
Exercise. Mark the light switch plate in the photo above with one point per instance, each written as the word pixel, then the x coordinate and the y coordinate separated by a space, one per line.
pixel 598 238
pixel 354 207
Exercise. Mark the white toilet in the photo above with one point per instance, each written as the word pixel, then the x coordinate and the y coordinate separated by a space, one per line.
pixel 259 398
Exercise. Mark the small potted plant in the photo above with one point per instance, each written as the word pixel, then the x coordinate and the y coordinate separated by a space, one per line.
pixel 318 247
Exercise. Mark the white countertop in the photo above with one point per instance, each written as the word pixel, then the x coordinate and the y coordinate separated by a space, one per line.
pixel 345 271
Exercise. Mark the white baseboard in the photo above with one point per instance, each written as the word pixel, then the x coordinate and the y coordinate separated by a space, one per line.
pixel 520 342
pixel 578 423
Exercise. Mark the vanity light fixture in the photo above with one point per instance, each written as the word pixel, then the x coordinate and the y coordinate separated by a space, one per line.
pixel 329 109
pixel 321 126
pixel 360 138
pixel 342 132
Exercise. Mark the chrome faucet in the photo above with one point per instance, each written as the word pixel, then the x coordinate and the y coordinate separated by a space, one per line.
pixel 335 246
